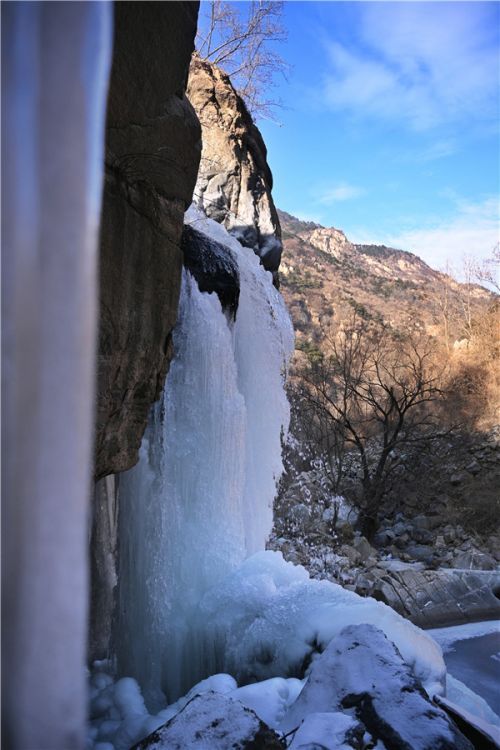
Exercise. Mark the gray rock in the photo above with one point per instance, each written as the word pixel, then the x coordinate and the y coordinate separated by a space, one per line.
pixel 474 560
pixel 234 182
pixel 420 552
pixel 473 468
pixel 400 528
pixel 364 548
pixel 402 541
pixel 435 598
pixel 383 538
pixel 351 553
pixel 213 721
pixel 422 536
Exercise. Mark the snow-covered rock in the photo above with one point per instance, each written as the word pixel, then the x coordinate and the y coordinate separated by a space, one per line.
pixel 362 672
pixel 330 731
pixel 213 721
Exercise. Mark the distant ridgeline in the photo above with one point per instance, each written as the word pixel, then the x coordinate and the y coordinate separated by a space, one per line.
pixel 325 277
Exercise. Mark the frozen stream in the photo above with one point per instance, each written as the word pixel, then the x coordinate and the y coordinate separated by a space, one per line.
pixel 472 655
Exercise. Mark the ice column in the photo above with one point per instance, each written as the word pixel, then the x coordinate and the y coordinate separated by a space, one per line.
pixel 55 59
pixel 200 499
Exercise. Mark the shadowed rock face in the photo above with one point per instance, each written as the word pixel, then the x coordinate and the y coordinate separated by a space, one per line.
pixel 213 267
pixel 234 182
pixel 152 154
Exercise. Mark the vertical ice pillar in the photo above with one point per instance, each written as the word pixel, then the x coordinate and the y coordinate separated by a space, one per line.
pixel 55 60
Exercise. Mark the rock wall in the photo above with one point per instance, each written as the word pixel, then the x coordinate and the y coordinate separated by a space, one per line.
pixel 153 149
pixel 153 146
pixel 234 182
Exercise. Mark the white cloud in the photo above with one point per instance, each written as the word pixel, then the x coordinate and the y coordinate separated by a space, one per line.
pixel 340 192
pixel 438 150
pixel 425 63
pixel 472 231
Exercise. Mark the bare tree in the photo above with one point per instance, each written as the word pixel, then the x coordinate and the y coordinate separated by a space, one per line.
pixel 375 393
pixel 238 38
pixel 488 271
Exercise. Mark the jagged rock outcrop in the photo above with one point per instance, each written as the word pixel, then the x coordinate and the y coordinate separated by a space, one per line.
pixel 331 241
pixel 214 721
pixel 234 182
pixel 153 147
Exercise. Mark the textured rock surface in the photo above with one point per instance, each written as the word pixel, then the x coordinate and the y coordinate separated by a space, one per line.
pixel 152 154
pixel 431 598
pixel 234 183
pixel 213 721
pixel 361 672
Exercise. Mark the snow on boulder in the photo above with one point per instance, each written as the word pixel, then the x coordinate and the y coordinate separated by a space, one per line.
pixel 268 619
pixel 214 721
pixel 330 731
pixel 270 699
pixel 362 673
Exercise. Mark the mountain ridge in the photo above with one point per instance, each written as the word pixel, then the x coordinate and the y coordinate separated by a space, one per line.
pixel 324 276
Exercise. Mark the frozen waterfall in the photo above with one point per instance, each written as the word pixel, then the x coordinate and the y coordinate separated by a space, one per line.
pixel 200 499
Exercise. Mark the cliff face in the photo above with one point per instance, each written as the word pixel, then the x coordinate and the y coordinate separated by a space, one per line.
pixel 234 182
pixel 152 154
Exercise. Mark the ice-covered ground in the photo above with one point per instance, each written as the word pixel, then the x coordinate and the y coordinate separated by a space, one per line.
pixel 268 621
pixel 472 654
pixel 446 637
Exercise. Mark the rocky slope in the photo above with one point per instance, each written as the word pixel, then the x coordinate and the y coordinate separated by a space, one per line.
pixel 153 149
pixel 325 277
pixel 234 181
pixel 436 557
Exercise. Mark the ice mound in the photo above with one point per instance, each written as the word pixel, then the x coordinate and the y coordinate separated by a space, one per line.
pixel 268 619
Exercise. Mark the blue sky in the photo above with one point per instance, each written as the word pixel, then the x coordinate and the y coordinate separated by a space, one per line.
pixel 390 125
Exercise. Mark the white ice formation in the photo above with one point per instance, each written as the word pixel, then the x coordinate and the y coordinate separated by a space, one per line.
pixel 200 500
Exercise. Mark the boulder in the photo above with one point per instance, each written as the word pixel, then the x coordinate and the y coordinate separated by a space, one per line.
pixel 474 560
pixel 213 721
pixel 361 673
pixel 422 536
pixel 364 548
pixel 234 182
pixel 383 538
pixel 351 553
pixel 420 552
pixel 400 528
